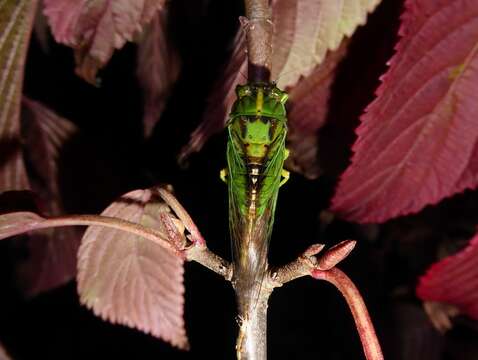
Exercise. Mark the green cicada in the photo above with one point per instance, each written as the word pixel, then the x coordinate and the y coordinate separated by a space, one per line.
pixel 257 129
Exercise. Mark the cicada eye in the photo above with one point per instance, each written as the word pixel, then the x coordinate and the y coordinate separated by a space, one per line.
pixel 280 95
pixel 242 90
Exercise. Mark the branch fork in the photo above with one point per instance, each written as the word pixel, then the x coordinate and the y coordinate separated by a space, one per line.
pixel 192 246
pixel 310 264
pixel 176 232
pixel 323 268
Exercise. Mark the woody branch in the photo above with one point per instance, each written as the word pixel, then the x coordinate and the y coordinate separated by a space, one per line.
pixel 323 268
pixel 258 28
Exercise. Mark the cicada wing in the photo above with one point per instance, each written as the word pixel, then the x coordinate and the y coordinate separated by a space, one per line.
pixel 250 236
pixel 250 245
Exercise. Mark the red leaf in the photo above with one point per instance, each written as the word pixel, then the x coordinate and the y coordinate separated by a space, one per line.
pixel 303 157
pixel 41 30
pixel 416 139
pixel 44 134
pixel 16 22
pixel 221 100
pixel 440 314
pixel 51 260
pixel 453 280
pixel 128 280
pixel 307 112
pixel 132 274
pixel 304 31
pixel 308 99
pixel 96 28
pixel 18 223
pixel 64 17
pixel 309 29
pixel 3 353
pixel 158 69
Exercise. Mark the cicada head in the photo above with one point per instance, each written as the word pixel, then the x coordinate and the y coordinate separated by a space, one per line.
pixel 260 99
pixel 258 120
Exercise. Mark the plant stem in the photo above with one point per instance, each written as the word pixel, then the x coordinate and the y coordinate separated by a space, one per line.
pixel 322 268
pixel 342 282
pixel 252 317
pixel 258 27
pixel 252 338
pixel 21 222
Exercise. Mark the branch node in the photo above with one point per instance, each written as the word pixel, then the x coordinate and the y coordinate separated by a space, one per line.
pixel 202 255
pixel 323 268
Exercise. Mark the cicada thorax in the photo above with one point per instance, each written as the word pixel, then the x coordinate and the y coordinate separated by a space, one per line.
pixel 256 151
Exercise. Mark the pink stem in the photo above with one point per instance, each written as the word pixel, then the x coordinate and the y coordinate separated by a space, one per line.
pixel 21 222
pixel 182 215
pixel 359 311
pixel 36 222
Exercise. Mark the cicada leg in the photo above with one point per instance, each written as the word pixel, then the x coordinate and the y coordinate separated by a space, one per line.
pixel 286 175
pixel 223 174
pixel 286 153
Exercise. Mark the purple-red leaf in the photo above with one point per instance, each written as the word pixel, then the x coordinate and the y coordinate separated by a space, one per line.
pixel 44 133
pixel 416 141
pixel 221 100
pixel 51 259
pixel 308 29
pixel 96 28
pixel 308 100
pixel 158 69
pixel 16 22
pixel 129 280
pixel 41 30
pixel 454 280
pixel 130 267
pixel 19 223
pixel 307 112
pixel 440 314
pixel 3 353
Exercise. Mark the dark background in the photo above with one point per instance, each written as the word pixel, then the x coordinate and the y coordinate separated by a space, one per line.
pixel 307 318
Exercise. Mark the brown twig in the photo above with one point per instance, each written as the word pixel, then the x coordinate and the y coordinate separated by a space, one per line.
pixel 22 222
pixel 202 255
pixel 258 28
pixel 252 339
